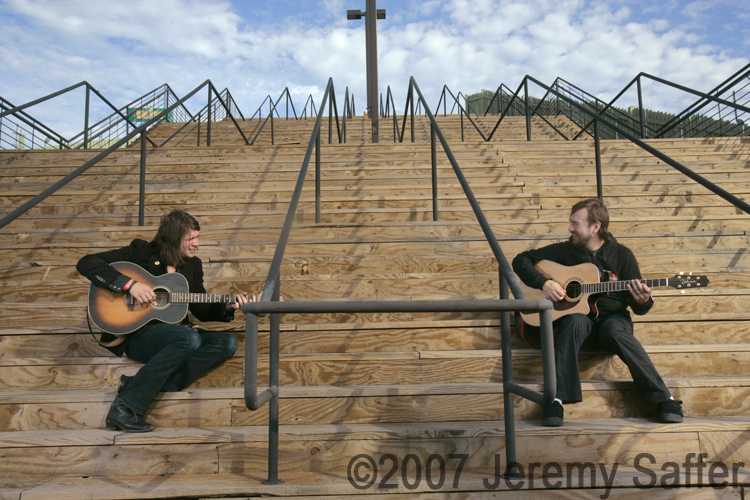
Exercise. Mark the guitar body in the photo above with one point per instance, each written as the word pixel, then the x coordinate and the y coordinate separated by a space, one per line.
pixel 569 277
pixel 582 288
pixel 116 314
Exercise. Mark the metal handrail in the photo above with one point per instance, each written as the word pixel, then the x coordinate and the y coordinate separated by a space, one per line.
pixel 737 202
pixel 140 130
pixel 461 110
pixel 85 84
pixel 163 90
pixel 391 103
pixel 270 304
pixel 272 108
pixel 35 125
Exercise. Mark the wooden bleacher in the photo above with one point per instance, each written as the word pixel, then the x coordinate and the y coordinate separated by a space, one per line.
pixel 419 384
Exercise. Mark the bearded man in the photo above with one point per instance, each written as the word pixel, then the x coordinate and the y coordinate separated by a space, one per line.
pixel 612 328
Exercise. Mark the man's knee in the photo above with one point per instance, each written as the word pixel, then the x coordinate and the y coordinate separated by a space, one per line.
pixel 229 345
pixel 615 334
pixel 575 325
pixel 189 340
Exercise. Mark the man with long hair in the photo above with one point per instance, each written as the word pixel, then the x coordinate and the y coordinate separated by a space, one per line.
pixel 175 355
pixel 612 329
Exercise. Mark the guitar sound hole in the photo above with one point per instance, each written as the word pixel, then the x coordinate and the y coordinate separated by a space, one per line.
pixel 162 298
pixel 573 289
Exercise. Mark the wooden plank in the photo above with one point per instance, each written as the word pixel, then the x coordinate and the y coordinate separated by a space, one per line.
pixel 108 460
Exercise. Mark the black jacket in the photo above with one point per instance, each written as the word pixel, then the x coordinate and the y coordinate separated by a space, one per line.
pixel 613 257
pixel 96 268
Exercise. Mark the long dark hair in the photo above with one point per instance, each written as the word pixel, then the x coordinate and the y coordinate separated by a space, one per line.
pixel 597 213
pixel 168 240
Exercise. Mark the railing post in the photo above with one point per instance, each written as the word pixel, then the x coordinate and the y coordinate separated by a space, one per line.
pixel 640 109
pixel 433 150
pixel 528 115
pixel 208 123
pixel 330 118
pixel 199 130
pixel 273 139
pixel 273 404
pixel 598 153
pixel 461 113
pixel 86 119
pixel 142 191
pixel 511 469
pixel 411 89
pixel 317 178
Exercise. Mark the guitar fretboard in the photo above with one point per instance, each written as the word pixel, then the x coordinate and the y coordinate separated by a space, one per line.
pixel 199 298
pixel 618 286
pixel 164 298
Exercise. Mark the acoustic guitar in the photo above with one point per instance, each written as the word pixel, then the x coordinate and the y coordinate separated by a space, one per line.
pixel 582 284
pixel 121 314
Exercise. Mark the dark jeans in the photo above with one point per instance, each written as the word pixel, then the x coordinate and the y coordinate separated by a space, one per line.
pixel 175 356
pixel 614 334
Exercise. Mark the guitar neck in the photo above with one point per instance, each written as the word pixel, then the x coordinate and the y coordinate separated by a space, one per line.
pixel 200 298
pixel 618 286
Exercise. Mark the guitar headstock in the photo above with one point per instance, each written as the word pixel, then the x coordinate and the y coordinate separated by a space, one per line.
pixel 687 281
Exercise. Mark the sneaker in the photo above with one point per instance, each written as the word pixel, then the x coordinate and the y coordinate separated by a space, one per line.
pixel 553 415
pixel 670 412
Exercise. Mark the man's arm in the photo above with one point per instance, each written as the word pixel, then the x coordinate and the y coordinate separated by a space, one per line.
pixel 96 266
pixel 639 299
pixel 523 266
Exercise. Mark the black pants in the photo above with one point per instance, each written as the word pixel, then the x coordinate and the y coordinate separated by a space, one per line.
pixel 175 356
pixel 614 334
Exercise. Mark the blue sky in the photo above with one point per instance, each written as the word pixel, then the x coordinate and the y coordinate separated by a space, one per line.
pixel 259 47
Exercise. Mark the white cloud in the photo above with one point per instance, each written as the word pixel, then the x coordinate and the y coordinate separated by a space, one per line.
pixel 127 48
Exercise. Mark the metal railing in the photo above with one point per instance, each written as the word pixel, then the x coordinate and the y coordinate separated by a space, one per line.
pixel 222 107
pixel 139 131
pixel 599 120
pixel 722 112
pixel 18 128
pixel 19 113
pixel 119 124
pixel 270 304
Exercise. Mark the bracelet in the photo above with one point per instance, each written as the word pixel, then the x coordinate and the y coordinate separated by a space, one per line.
pixel 129 285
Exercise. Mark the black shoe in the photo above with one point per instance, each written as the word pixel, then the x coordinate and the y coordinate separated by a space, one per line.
pixel 124 380
pixel 670 412
pixel 120 417
pixel 553 415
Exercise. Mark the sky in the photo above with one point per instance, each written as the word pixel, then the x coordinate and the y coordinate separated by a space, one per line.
pixel 256 48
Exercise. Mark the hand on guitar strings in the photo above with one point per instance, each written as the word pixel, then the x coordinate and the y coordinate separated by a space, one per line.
pixel 553 291
pixel 641 292
pixel 142 293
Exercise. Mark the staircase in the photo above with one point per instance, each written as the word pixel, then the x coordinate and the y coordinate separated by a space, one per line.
pixel 420 387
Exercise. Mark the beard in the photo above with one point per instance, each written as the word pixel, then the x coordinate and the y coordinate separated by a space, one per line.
pixel 580 241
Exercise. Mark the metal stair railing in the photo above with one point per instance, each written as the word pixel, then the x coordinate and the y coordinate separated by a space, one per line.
pixel 710 120
pixel 85 139
pixel 461 111
pixel 272 108
pixel 390 104
pixel 137 111
pixel 221 103
pixel 270 304
pixel 140 130
pixel 601 120
pixel 26 127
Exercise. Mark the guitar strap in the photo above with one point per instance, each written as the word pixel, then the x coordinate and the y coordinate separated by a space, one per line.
pixel 119 340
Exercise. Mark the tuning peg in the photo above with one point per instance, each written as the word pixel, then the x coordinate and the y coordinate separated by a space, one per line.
pixel 681 273
pixel 682 291
pixel 691 273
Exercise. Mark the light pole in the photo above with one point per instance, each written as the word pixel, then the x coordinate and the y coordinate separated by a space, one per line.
pixel 371 50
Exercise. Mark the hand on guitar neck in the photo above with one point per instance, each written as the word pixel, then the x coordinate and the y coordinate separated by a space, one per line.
pixel 555 293
pixel 144 295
